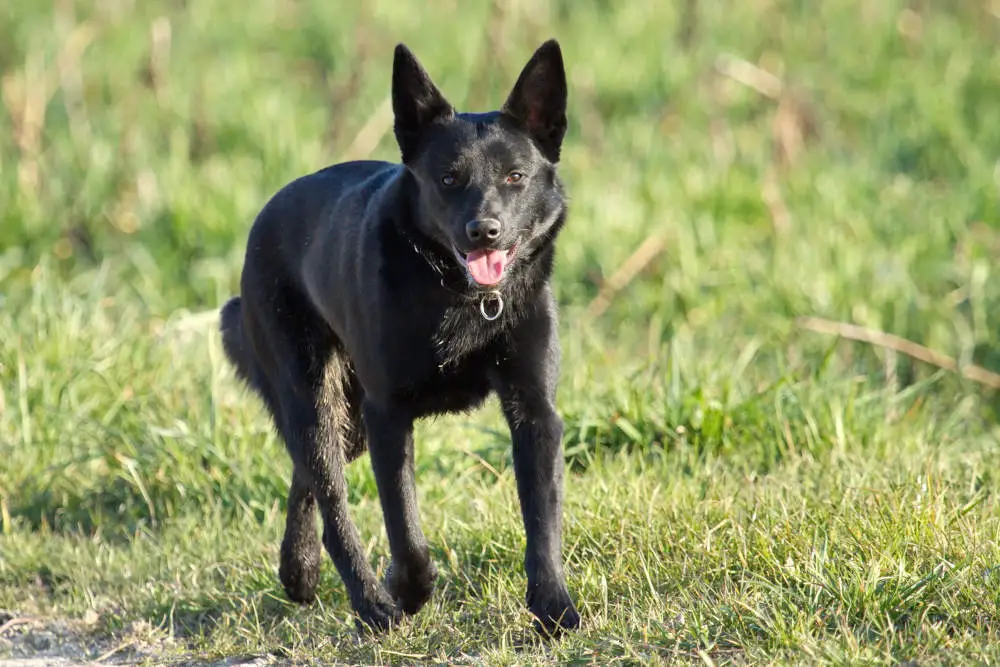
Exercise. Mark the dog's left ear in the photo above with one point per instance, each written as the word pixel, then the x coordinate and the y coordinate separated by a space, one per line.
pixel 538 100
pixel 416 101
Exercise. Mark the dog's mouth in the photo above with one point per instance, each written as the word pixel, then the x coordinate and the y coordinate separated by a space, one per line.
pixel 486 266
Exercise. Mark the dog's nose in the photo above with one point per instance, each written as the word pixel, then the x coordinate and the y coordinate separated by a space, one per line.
pixel 480 230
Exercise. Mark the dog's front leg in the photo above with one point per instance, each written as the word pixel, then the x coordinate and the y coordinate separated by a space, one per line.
pixel 525 381
pixel 412 574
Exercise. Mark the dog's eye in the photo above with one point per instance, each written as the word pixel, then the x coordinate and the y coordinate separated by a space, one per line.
pixel 514 177
pixel 448 180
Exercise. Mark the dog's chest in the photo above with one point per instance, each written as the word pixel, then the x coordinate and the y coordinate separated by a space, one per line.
pixel 453 373
pixel 455 388
pixel 463 333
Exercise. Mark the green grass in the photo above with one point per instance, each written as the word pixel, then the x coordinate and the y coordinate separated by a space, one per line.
pixel 741 490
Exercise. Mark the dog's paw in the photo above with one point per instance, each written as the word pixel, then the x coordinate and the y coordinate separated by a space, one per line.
pixel 553 610
pixel 411 587
pixel 378 616
pixel 299 573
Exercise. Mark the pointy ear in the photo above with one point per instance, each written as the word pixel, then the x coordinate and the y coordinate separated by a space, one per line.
pixel 416 101
pixel 538 100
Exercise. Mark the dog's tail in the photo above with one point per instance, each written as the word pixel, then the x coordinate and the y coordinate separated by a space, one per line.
pixel 231 325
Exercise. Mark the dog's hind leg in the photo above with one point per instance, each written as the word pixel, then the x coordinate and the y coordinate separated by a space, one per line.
pixel 310 433
pixel 305 375
pixel 301 551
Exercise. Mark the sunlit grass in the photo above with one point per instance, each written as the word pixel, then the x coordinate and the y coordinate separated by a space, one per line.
pixel 740 489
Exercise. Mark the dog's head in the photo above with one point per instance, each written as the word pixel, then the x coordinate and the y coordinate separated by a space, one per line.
pixel 487 182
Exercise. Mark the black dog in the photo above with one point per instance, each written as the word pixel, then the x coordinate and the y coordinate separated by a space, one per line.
pixel 374 294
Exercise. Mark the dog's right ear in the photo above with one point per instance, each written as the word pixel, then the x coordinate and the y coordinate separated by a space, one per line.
pixel 416 101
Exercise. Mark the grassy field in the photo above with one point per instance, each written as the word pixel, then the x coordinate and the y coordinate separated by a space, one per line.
pixel 743 489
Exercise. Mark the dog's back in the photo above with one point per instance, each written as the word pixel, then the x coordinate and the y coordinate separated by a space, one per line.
pixel 335 199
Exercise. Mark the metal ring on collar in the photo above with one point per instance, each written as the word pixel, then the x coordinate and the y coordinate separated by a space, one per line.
pixel 492 295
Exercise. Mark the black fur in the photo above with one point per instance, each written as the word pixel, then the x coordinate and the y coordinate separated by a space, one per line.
pixel 359 314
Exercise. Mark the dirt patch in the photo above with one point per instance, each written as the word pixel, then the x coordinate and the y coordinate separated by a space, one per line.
pixel 27 641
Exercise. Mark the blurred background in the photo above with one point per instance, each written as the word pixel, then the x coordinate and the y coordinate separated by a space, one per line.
pixel 732 166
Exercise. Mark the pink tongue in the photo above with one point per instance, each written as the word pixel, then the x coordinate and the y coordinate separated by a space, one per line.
pixel 486 266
